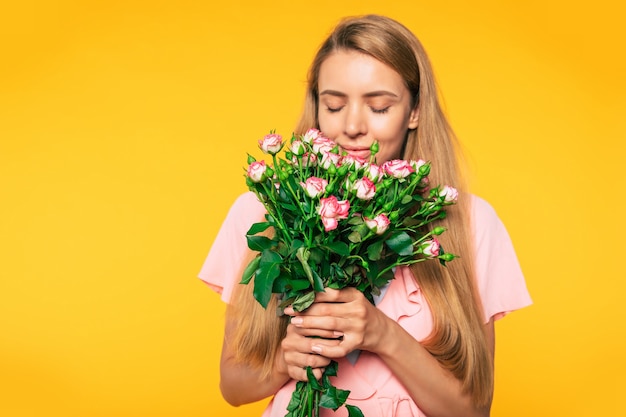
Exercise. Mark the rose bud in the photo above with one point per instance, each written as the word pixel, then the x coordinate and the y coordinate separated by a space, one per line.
pixel 450 194
pixel 374 148
pixel 398 168
pixel 430 248
pixel 378 224
pixel 447 257
pixel 314 187
pixel 322 144
pixel 374 172
pixel 330 209
pixel 438 230
pixel 257 171
pixel 297 147
pixel 310 135
pixel 330 159
pixel 271 143
pixel 365 188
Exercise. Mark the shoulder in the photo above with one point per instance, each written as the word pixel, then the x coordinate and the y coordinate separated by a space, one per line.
pixel 499 276
pixel 247 201
pixel 485 220
pixel 245 210
pixel 482 211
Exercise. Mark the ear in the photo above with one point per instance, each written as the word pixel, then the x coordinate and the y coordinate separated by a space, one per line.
pixel 414 118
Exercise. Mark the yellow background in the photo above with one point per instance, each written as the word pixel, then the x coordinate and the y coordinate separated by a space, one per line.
pixel 123 132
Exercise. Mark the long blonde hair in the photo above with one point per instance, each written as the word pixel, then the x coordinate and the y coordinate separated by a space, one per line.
pixel 457 340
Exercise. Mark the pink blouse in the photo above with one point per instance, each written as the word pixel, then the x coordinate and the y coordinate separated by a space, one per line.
pixel 373 388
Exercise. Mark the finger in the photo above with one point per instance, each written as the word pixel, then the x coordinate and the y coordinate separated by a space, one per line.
pixel 333 352
pixel 344 295
pixel 324 326
pixel 300 340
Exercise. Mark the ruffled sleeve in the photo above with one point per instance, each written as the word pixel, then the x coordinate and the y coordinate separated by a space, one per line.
pixel 223 266
pixel 500 280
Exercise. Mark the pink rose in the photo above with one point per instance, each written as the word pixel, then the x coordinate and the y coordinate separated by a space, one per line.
pixel 309 159
pixel 329 158
pixel 374 172
pixel 331 210
pixel 271 143
pixel 378 224
pixel 417 164
pixel 322 144
pixel 297 147
pixel 365 188
pixel 354 161
pixel 314 187
pixel 398 168
pixel 450 194
pixel 256 171
pixel 311 134
pixel 430 248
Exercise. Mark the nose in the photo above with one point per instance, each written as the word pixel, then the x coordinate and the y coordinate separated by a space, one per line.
pixel 355 123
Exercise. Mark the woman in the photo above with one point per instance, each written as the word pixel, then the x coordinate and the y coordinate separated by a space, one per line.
pixel 427 347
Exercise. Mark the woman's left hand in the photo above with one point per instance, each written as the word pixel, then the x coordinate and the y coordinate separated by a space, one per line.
pixel 344 313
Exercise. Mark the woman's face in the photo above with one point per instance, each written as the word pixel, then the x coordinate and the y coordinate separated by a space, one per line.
pixel 362 100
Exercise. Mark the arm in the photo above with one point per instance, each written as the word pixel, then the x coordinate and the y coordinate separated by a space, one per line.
pixel 241 383
pixel 435 390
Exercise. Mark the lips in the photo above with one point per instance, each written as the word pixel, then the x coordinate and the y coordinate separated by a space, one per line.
pixel 358 152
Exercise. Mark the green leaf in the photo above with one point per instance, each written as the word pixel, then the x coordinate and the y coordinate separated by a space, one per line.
pixel 268 271
pixel 316 255
pixel 406 199
pixel 303 256
pixel 282 249
pixel 258 228
pixel 259 243
pixel 318 283
pixel 400 243
pixel 280 283
pixel 331 368
pixel 355 237
pixel 296 244
pixel 354 411
pixel 299 284
pixel 303 301
pixel 296 397
pixel 334 398
pixel 375 250
pixel 340 248
pixel 250 270
pixel 355 220
pixel 312 380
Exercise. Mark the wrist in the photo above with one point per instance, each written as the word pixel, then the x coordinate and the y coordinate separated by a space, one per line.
pixel 390 340
pixel 280 366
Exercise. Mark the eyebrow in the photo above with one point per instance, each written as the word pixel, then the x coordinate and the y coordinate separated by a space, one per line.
pixel 376 93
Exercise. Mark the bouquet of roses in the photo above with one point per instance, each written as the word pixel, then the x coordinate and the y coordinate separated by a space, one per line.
pixel 338 221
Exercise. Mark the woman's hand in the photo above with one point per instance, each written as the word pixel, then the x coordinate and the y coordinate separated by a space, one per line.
pixel 298 352
pixel 341 321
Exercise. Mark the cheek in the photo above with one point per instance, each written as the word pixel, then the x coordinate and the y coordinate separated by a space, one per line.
pixel 391 145
pixel 327 127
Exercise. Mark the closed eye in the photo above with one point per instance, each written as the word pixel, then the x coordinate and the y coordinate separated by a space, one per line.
pixel 333 109
pixel 380 111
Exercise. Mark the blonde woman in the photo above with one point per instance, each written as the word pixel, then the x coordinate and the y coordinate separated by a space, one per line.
pixel 427 347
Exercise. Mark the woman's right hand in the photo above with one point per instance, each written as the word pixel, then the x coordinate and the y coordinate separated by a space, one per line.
pixel 298 353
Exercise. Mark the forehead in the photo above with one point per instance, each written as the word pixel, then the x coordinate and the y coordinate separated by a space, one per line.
pixel 352 70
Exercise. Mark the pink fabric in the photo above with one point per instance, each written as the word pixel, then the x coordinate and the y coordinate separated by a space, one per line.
pixel 373 388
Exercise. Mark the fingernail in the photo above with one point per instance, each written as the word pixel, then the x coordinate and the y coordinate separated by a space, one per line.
pixel 337 334
pixel 316 348
pixel 288 310
pixel 297 321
